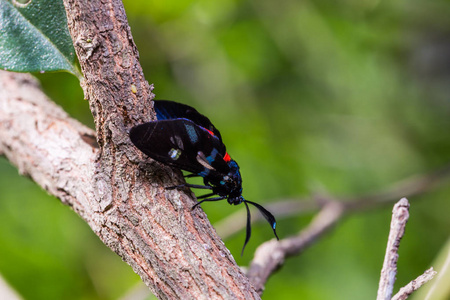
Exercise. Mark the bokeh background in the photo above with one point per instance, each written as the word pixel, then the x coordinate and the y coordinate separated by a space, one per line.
pixel 337 97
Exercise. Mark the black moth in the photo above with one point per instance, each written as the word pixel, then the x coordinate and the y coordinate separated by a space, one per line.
pixel 183 138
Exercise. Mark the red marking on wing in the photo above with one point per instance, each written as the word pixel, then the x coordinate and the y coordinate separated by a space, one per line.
pixel 210 132
pixel 227 157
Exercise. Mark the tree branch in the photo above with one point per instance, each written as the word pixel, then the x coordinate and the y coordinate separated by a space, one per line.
pixel 271 255
pixel 400 215
pixel 114 188
pixel 415 284
pixel 45 144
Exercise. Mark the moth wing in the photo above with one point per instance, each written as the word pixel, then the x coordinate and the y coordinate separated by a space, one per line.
pixel 169 110
pixel 183 144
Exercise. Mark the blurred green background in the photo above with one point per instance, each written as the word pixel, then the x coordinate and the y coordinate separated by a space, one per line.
pixel 346 97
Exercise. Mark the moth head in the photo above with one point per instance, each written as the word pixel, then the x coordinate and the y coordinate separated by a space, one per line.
pixel 232 182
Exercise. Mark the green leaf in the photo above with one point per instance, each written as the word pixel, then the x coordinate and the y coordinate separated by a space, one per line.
pixel 34 37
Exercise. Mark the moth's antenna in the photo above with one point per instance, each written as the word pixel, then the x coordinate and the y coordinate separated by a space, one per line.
pixel 249 228
pixel 269 217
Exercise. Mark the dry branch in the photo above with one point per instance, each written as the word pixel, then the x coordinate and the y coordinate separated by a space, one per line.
pixel 400 215
pixel 415 284
pixel 271 255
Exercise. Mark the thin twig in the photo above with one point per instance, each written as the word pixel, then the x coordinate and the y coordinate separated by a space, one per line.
pixel 271 255
pixel 400 215
pixel 415 284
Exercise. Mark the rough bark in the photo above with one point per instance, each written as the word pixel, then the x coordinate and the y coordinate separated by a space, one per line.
pixel 117 190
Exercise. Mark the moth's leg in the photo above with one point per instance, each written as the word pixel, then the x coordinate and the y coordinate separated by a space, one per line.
pixel 195 186
pixel 205 196
pixel 209 199
pixel 191 175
